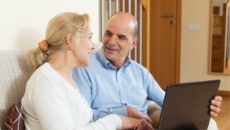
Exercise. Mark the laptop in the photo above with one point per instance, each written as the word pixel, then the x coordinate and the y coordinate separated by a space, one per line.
pixel 186 105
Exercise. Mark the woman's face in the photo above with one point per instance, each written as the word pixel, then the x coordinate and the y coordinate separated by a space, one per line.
pixel 83 49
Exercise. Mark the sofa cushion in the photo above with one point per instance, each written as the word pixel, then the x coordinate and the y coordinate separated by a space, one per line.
pixel 14 119
pixel 14 73
pixel 154 112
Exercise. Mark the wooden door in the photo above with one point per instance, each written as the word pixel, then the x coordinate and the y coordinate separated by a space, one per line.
pixel 165 41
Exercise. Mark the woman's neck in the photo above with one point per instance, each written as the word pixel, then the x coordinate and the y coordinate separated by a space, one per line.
pixel 63 63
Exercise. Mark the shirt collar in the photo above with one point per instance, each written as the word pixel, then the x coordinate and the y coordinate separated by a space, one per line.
pixel 106 63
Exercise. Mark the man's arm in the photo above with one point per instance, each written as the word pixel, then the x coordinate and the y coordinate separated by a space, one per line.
pixel 102 112
pixel 124 111
pixel 155 92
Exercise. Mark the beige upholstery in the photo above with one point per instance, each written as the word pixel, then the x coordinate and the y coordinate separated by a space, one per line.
pixel 154 112
pixel 14 73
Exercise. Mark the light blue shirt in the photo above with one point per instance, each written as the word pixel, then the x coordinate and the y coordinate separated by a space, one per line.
pixel 110 91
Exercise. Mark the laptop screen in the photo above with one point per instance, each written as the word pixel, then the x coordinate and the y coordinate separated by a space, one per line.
pixel 186 105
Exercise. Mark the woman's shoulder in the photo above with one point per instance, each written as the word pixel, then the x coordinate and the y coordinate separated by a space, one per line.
pixel 44 73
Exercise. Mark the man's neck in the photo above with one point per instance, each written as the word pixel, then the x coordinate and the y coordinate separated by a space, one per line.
pixel 118 64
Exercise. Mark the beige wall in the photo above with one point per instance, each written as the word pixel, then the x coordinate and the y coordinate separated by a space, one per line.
pixel 23 22
pixel 195 44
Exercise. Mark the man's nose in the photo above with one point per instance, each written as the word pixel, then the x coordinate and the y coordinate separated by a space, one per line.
pixel 113 40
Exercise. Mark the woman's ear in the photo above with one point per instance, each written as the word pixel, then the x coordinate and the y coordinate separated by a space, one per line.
pixel 69 38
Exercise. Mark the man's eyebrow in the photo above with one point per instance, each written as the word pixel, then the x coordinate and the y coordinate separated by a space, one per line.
pixel 108 31
pixel 122 35
pixel 119 35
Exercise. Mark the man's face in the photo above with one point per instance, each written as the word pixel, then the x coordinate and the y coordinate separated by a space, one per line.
pixel 118 40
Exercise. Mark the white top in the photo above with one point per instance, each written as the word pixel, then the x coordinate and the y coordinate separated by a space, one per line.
pixel 51 103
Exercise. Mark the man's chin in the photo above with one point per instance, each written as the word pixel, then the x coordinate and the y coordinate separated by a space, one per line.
pixel 109 56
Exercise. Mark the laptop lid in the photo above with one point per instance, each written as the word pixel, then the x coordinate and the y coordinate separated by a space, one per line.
pixel 186 105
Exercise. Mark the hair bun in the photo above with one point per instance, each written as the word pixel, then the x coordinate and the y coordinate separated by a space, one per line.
pixel 43 45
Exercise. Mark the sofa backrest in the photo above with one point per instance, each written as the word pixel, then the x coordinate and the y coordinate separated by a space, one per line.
pixel 97 46
pixel 14 73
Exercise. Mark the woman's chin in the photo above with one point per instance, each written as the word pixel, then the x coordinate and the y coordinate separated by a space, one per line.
pixel 85 64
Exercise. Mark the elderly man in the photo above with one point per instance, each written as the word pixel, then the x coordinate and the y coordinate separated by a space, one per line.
pixel 113 83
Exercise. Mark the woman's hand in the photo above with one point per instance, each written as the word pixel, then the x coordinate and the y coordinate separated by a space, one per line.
pixel 134 124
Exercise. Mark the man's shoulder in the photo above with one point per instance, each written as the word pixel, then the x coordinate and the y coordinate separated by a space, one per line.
pixel 94 62
pixel 94 57
pixel 137 65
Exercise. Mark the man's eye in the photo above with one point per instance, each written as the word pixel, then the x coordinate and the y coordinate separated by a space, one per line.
pixel 122 38
pixel 107 33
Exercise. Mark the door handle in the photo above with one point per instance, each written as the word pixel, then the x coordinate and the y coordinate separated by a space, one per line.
pixel 172 22
pixel 167 16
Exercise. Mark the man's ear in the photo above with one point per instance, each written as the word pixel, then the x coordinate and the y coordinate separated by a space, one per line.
pixel 134 43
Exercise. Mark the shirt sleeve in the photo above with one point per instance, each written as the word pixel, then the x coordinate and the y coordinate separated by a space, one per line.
pixel 155 92
pixel 51 106
pixel 103 112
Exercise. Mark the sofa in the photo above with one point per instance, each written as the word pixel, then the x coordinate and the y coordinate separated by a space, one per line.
pixel 14 73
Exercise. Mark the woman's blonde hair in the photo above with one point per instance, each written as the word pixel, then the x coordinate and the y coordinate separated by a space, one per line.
pixel 56 32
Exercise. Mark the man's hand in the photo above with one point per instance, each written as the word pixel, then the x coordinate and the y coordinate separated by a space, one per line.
pixel 134 113
pixel 215 106
pixel 146 126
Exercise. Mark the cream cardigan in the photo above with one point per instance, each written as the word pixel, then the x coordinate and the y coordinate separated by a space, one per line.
pixel 51 103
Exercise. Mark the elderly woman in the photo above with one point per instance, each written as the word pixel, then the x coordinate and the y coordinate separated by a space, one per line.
pixel 52 100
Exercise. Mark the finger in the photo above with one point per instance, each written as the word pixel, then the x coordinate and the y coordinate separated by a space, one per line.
pixel 149 127
pixel 142 124
pixel 138 126
pixel 213 114
pixel 215 109
pixel 218 98
pixel 216 103
pixel 146 126
pixel 135 128
pixel 149 120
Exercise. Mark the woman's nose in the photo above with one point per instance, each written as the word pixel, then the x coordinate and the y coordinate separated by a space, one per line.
pixel 92 45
